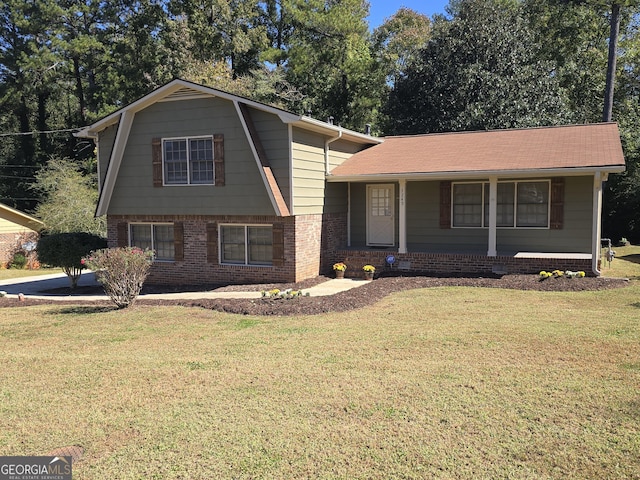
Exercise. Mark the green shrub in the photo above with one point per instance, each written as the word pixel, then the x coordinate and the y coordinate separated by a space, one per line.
pixel 66 250
pixel 121 271
pixel 19 261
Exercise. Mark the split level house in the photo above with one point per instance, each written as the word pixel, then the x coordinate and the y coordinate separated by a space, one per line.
pixel 228 190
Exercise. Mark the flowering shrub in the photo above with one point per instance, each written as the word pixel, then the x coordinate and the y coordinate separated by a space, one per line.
pixel 339 266
pixel 121 271
pixel 369 268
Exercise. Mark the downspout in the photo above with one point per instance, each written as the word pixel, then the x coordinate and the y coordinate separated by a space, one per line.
pixel 349 214
pixel 326 150
pixel 598 178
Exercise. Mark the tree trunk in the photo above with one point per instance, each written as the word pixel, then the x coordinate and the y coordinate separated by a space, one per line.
pixel 611 63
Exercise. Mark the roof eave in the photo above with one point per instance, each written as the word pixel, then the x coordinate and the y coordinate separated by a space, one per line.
pixel 286 117
pixel 319 126
pixel 471 175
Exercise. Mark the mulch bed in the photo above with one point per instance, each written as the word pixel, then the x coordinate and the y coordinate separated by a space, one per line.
pixel 352 299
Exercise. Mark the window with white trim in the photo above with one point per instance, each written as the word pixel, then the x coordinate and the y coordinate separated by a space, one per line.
pixel 188 161
pixel 246 244
pixel 519 204
pixel 154 236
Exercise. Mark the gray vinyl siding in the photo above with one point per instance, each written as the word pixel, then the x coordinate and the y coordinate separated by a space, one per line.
pixel 424 232
pixel 105 147
pixel 308 172
pixel 312 194
pixel 274 136
pixel 340 150
pixel 244 192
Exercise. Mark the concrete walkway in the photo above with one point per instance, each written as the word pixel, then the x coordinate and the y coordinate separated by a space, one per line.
pixel 39 285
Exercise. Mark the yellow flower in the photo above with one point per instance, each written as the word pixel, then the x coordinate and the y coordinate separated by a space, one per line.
pixel 339 266
pixel 369 268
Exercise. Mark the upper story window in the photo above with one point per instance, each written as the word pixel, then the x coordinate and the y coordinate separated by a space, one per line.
pixel 188 161
pixel 518 204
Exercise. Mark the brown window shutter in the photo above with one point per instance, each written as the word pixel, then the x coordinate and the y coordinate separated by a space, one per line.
pixel 445 204
pixel 123 234
pixel 218 159
pixel 212 243
pixel 156 158
pixel 278 244
pixel 178 241
pixel 557 204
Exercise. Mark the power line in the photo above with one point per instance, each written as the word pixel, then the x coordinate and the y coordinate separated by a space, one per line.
pixel 38 132
pixel 19 166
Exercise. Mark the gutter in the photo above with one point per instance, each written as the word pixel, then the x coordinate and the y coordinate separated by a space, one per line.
pixel 473 175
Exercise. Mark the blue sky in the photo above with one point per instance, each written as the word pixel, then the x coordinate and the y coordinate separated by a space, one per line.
pixel 381 9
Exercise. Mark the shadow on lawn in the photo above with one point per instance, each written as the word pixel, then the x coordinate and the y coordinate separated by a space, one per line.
pixel 84 309
pixel 633 258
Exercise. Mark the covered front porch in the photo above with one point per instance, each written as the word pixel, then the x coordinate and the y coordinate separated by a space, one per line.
pixel 411 223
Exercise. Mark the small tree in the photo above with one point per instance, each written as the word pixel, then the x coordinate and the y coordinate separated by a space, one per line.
pixel 121 271
pixel 66 250
pixel 70 198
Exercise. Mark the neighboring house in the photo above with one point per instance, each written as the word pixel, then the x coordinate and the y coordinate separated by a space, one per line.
pixel 226 189
pixel 18 232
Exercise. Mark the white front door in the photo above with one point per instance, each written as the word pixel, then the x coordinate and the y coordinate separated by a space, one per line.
pixel 380 209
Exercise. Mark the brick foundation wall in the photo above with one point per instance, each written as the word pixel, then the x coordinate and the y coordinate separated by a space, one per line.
pixel 302 241
pixel 308 235
pixel 334 237
pixel 454 264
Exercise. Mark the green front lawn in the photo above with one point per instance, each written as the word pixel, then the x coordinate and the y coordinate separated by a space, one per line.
pixel 434 383
pixel 7 273
pixel 625 264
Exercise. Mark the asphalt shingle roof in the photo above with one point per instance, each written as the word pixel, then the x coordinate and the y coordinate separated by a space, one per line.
pixel 575 146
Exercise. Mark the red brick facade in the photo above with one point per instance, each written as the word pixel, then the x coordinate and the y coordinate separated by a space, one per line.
pixel 302 246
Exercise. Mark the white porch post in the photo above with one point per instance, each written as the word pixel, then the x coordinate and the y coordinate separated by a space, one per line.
pixel 598 178
pixel 402 220
pixel 349 214
pixel 493 216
